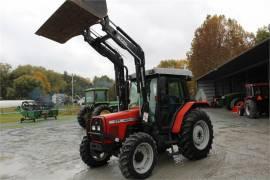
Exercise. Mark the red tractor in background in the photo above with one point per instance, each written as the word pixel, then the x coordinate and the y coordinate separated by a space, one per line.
pixel 256 101
pixel 156 112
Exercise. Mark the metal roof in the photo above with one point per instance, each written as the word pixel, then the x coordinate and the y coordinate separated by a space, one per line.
pixel 253 57
pixel 165 71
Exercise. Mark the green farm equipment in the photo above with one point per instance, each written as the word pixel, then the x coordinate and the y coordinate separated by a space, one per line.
pixel 31 110
pixel 96 103
pixel 228 100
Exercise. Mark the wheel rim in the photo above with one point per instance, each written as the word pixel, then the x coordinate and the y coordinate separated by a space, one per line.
pixel 105 112
pixel 100 156
pixel 143 158
pixel 247 110
pixel 201 135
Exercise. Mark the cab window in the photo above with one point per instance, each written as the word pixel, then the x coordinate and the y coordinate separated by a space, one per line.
pixel 152 98
pixel 89 96
pixel 101 96
pixel 175 91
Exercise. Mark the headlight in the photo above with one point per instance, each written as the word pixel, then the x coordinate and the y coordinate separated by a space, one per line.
pixel 98 128
pixel 93 128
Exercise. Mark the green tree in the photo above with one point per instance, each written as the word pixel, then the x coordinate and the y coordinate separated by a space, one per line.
pixel 11 93
pixel 5 81
pixel 52 82
pixel 58 84
pixel 80 84
pixel 40 76
pixel 215 42
pixel 25 85
pixel 106 82
pixel 262 34
pixel 103 81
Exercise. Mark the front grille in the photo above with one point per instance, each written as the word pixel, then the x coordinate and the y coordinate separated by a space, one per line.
pixel 114 131
pixel 97 136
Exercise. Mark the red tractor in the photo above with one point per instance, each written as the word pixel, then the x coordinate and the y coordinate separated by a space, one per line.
pixel 256 101
pixel 156 112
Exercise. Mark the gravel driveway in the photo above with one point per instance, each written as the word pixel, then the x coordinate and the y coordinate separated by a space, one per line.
pixel 49 150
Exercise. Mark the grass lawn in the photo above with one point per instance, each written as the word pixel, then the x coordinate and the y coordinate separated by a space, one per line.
pixel 9 115
pixel 8 118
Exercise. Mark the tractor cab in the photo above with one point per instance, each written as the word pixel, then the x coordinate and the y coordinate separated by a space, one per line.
pixel 166 93
pixel 96 95
pixel 258 90
pixel 256 101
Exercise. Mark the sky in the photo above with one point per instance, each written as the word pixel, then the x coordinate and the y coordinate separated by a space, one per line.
pixel 163 28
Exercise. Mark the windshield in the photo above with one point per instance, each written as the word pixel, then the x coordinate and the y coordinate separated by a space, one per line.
pixel 101 96
pixel 133 95
pixel 152 93
pixel 89 97
pixel 261 90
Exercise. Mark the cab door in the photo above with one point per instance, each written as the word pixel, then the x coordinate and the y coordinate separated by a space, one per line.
pixel 171 98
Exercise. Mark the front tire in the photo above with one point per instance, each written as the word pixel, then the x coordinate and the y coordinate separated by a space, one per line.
pixel 138 156
pixel 241 111
pixel 196 137
pixel 92 161
pixel 251 109
pixel 84 115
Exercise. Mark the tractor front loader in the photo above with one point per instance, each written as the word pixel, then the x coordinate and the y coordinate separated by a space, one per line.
pixel 158 113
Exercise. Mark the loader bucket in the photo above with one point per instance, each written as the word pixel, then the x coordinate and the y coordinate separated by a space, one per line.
pixel 71 18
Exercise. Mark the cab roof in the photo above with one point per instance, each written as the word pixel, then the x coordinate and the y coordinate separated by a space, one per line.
pixel 166 71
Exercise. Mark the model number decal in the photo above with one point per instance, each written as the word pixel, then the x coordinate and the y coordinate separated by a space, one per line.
pixel 117 121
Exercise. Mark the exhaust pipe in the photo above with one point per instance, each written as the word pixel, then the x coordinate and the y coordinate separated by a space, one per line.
pixel 71 18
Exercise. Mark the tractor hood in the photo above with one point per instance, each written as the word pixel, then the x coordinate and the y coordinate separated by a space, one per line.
pixel 116 124
pixel 122 116
pixel 71 18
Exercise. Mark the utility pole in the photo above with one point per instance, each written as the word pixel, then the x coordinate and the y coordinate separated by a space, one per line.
pixel 72 89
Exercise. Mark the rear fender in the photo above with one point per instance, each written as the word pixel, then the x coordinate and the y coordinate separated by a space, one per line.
pixel 183 111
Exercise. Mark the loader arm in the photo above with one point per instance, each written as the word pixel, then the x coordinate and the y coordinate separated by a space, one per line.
pixel 121 38
pixel 75 17
pixel 121 71
pixel 116 34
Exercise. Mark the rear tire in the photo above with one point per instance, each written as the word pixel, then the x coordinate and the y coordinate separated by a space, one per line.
pixel 251 109
pixel 196 137
pixel 84 115
pixel 138 156
pixel 87 158
pixel 233 102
